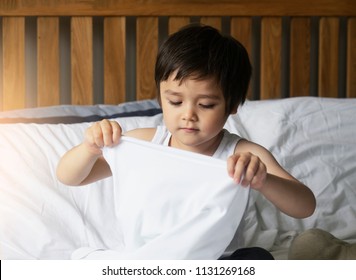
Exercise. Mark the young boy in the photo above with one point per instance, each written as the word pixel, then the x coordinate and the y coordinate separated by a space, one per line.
pixel 202 77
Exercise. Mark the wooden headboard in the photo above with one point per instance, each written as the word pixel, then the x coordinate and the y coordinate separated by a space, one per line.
pixel 103 51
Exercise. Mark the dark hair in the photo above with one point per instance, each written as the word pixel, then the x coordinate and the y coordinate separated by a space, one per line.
pixel 199 52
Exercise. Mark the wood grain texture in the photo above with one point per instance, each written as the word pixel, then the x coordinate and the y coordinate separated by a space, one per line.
pixel 14 83
pixel 147 46
pixel 48 87
pixel 18 42
pixel 328 57
pixel 177 7
pixel 351 58
pixel 212 21
pixel 271 47
pixel 300 56
pixel 175 23
pixel 241 29
pixel 82 60
pixel 114 60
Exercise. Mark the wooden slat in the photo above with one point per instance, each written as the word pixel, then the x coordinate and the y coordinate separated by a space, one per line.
pixel 212 21
pixel 14 96
pixel 328 57
pixel 48 91
pixel 271 47
pixel 147 46
pixel 351 58
pixel 114 60
pixel 82 60
pixel 175 23
pixel 177 7
pixel 300 37
pixel 241 29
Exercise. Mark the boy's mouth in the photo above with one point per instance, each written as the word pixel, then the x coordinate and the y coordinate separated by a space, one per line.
pixel 189 129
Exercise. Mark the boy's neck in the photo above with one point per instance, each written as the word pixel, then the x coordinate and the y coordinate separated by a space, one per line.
pixel 208 149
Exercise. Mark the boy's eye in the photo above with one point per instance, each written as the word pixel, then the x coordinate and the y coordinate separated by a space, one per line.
pixel 174 103
pixel 207 106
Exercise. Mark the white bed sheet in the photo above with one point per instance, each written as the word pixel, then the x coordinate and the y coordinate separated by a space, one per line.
pixel 169 204
pixel 313 138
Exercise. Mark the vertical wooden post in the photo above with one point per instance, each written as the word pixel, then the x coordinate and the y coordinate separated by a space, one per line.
pixel 114 60
pixel 48 87
pixel 82 60
pixel 147 46
pixel 14 93
pixel 271 48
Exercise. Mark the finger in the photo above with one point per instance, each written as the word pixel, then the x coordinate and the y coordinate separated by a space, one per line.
pixel 259 179
pixel 97 135
pixel 107 132
pixel 251 170
pixel 116 128
pixel 240 167
pixel 231 162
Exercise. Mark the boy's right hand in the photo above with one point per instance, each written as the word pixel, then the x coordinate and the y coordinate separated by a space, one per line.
pixel 101 134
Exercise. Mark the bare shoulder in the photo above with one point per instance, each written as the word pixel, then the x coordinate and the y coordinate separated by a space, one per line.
pixel 142 133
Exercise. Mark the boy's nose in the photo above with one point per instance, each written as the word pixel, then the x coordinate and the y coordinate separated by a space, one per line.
pixel 189 114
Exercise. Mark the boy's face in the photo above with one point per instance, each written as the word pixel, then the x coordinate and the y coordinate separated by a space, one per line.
pixel 194 112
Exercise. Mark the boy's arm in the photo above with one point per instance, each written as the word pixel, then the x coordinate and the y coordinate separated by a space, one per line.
pixel 84 163
pixel 263 173
pixel 290 196
pixel 80 167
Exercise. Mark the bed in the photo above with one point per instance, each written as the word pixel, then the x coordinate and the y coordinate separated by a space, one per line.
pixel 66 64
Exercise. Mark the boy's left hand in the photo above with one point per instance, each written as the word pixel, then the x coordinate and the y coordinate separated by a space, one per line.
pixel 247 169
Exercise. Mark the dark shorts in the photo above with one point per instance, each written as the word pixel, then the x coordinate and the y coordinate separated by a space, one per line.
pixel 252 253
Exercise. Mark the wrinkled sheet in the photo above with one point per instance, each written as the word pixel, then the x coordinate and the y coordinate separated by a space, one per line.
pixel 313 138
pixel 170 204
pixel 41 218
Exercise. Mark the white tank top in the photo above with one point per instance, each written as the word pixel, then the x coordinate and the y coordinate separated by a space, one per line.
pixel 225 149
